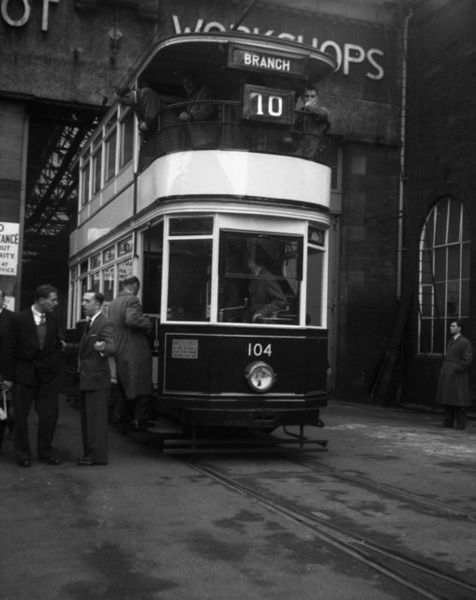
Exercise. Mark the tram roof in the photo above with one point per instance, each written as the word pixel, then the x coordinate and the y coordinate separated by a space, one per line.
pixel 208 54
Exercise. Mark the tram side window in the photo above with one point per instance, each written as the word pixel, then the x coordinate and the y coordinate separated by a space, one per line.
pixel 152 269
pixel 127 139
pixel 189 280
pixel 315 273
pixel 85 171
pixel 260 278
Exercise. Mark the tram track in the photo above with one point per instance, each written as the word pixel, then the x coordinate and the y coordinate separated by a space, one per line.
pixel 426 581
pixel 437 508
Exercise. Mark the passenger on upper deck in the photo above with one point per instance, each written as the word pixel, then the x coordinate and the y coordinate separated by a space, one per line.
pixel 146 104
pixel 200 108
pixel 310 124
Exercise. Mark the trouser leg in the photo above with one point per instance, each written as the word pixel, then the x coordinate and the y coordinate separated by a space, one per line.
pixel 3 426
pixel 460 417
pixel 23 398
pixel 449 416
pixel 94 424
pixel 46 406
pixel 142 408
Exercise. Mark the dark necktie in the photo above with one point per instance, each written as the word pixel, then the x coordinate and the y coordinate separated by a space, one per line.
pixel 41 329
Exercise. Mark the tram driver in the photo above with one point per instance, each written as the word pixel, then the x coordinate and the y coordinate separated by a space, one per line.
pixel 266 297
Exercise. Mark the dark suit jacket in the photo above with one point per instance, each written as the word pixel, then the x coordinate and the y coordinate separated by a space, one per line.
pixel 94 372
pixel 25 362
pixel 6 320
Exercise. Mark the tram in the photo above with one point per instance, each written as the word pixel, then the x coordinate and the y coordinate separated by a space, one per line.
pixel 226 223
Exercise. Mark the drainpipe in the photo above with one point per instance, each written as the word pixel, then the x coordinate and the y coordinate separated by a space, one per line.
pixel 403 112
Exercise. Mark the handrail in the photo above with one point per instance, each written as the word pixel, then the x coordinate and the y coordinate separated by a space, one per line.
pixel 226 129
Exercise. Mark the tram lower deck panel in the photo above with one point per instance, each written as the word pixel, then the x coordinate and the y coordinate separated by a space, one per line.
pixel 242 376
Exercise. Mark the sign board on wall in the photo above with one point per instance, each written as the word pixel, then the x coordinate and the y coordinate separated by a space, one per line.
pixel 9 245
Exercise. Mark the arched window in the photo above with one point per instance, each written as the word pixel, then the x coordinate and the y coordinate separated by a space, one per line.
pixel 443 273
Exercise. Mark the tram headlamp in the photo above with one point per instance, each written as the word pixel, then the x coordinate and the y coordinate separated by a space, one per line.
pixel 260 376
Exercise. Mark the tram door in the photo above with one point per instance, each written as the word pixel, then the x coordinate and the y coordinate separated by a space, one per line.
pixel 152 245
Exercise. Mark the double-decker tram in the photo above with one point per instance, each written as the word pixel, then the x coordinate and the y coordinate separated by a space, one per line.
pixel 220 206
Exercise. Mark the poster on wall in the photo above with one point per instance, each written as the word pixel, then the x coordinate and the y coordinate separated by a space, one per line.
pixel 9 248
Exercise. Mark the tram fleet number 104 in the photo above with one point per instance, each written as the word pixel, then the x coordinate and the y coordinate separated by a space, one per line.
pixel 257 349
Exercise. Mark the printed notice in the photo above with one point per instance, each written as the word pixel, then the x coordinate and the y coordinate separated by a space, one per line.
pixel 9 244
pixel 185 349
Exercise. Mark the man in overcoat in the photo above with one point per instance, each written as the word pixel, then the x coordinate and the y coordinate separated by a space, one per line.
pixel 133 353
pixel 32 362
pixel 96 345
pixel 453 382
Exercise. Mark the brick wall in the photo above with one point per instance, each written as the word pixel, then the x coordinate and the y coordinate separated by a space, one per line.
pixel 441 154
pixel 367 293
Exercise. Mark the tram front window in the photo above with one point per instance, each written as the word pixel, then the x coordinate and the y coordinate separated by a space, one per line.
pixel 259 278
pixel 189 280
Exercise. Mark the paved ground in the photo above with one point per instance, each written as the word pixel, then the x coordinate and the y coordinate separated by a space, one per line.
pixel 150 527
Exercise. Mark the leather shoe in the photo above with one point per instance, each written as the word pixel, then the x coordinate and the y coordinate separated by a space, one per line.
pixel 51 460
pixel 87 462
pixel 26 462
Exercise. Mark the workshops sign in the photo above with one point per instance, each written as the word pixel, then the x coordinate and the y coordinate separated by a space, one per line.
pixel 16 13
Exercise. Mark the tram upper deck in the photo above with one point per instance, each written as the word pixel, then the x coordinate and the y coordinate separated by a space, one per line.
pixel 253 85
pixel 247 90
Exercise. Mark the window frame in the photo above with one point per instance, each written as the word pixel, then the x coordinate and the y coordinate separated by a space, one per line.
pixel 434 270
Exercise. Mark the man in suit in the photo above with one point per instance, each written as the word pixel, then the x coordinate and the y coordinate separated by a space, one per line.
pixel 97 343
pixel 6 317
pixel 32 363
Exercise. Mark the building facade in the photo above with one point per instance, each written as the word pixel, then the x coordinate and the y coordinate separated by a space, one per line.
pixel 439 189
pixel 61 64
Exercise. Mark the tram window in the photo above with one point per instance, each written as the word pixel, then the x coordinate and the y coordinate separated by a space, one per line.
pixel 109 254
pixel 108 279
pixel 95 261
pixel 189 280
pixel 152 269
pixel 127 138
pixel 85 182
pixel 191 226
pixel 315 267
pixel 124 247
pixel 110 150
pixel 96 281
pixel 124 270
pixel 97 164
pixel 83 267
pixel 260 277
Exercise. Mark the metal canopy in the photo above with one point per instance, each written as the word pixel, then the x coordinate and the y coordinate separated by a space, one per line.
pixel 56 135
pixel 207 54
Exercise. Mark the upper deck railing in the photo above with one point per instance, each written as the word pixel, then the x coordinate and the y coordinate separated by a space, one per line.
pixel 225 129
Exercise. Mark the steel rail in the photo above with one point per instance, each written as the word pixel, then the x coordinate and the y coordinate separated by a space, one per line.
pixel 364 550
pixel 440 508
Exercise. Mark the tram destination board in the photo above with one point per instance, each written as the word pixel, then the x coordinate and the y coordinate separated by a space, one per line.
pixel 255 59
pixel 267 104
